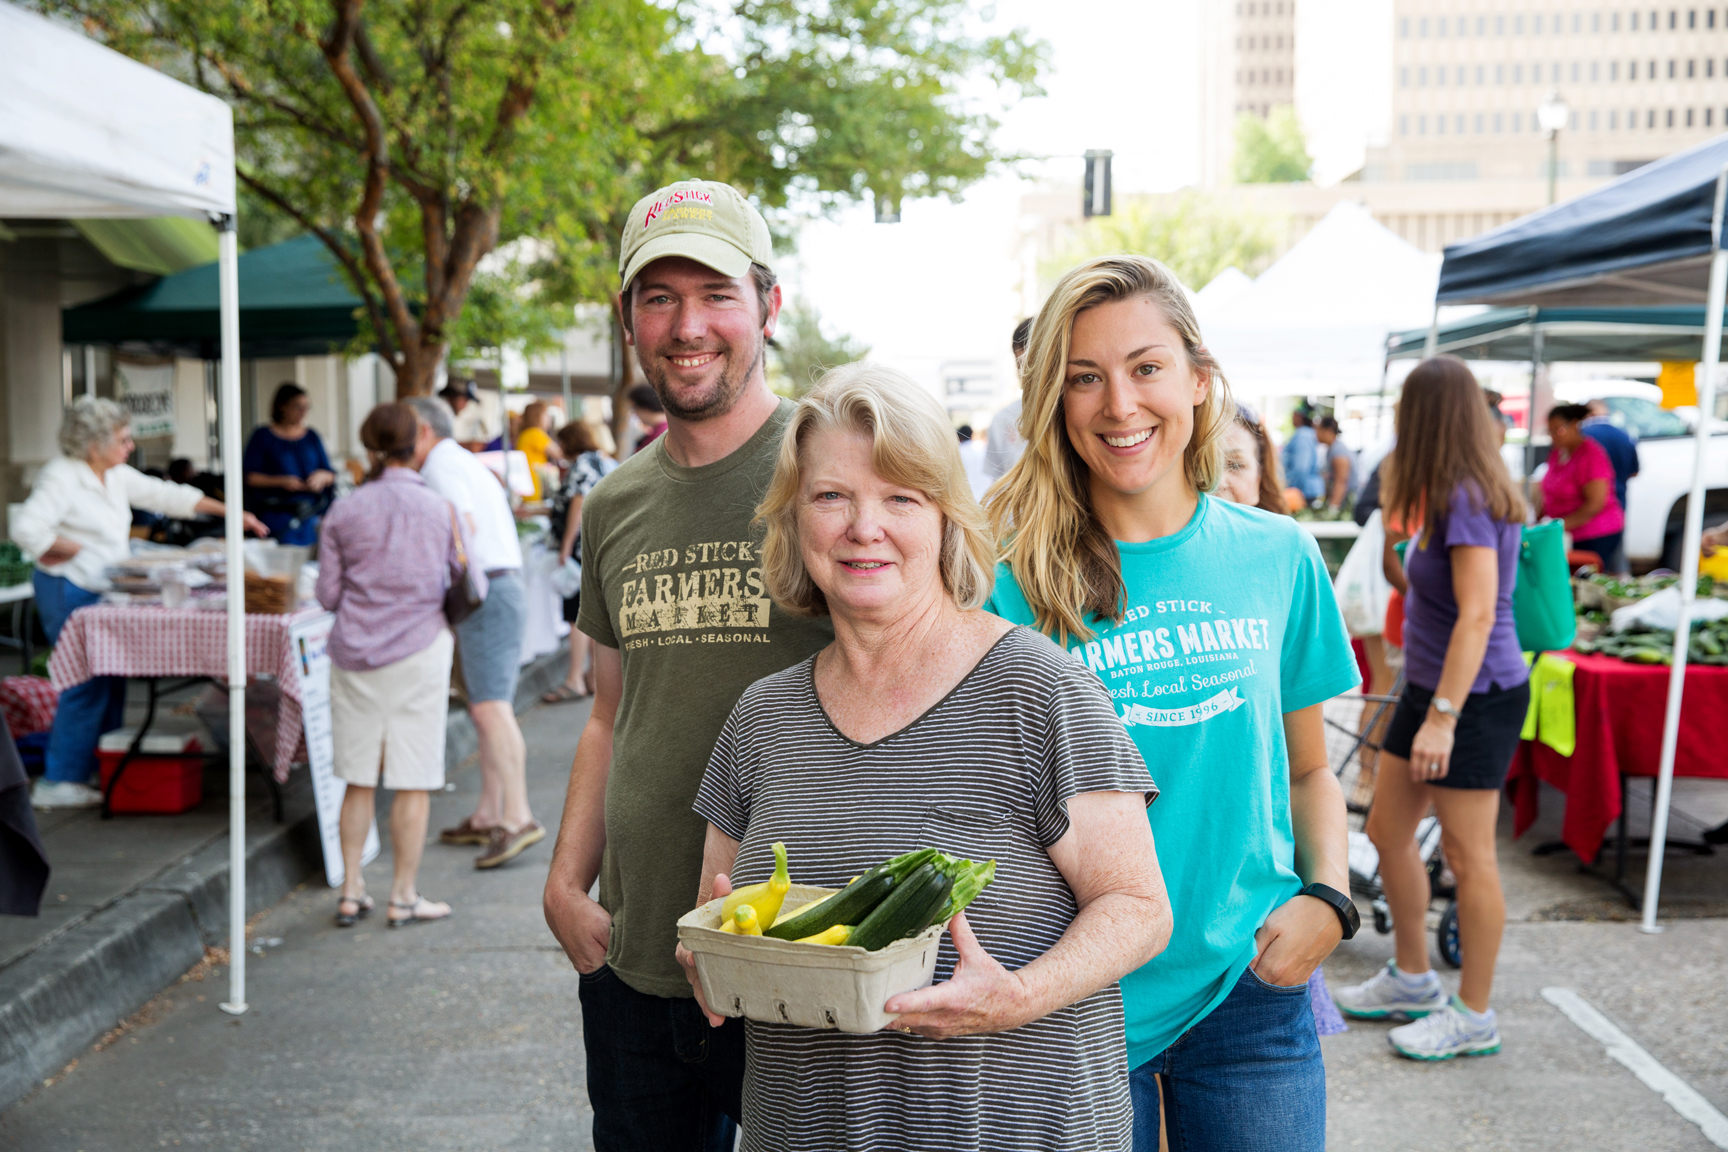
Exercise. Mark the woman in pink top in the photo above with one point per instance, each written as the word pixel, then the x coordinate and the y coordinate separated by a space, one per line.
pixel 1579 488
pixel 386 555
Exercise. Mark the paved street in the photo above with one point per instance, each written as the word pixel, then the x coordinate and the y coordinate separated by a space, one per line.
pixel 466 1035
pixel 463 1035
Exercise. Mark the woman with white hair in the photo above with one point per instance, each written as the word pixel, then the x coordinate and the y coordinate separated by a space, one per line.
pixel 1213 626
pixel 930 723
pixel 76 523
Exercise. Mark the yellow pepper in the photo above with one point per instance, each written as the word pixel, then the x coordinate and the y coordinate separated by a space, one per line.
pixel 838 934
pixel 765 897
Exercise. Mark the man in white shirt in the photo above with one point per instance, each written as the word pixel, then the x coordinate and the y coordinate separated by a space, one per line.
pixel 1003 446
pixel 489 641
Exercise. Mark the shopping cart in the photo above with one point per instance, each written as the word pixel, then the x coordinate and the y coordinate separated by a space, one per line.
pixel 1355 729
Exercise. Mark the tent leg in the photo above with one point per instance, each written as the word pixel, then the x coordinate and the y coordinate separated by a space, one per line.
pixel 1433 340
pixel 228 276
pixel 1688 573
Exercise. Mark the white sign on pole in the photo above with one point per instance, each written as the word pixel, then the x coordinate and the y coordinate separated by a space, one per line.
pixel 311 640
pixel 146 391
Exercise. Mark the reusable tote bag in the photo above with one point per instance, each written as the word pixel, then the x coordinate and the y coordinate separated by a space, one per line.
pixel 1362 587
pixel 1542 597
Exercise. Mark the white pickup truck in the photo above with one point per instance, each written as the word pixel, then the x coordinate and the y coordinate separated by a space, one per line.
pixel 1656 497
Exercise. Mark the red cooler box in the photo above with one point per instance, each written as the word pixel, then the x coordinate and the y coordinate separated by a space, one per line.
pixel 167 775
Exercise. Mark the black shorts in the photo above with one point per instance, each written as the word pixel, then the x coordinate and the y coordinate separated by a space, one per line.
pixel 1484 742
pixel 571 606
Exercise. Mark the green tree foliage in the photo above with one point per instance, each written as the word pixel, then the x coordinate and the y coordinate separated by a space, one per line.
pixel 1197 235
pixel 804 353
pixel 416 136
pixel 1273 150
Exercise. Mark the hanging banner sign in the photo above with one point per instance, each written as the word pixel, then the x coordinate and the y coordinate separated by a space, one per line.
pixel 146 391
pixel 311 639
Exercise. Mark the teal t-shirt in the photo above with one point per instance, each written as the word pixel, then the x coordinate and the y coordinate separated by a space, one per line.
pixel 1230 623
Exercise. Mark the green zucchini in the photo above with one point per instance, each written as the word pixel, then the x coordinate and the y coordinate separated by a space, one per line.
pixel 934 903
pixel 848 906
pixel 899 914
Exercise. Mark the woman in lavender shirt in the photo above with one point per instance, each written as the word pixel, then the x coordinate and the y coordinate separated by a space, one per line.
pixel 386 556
pixel 1456 727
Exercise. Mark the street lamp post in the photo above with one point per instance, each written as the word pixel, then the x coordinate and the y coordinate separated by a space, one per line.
pixel 1551 116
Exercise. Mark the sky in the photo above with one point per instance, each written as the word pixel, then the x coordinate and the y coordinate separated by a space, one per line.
pixel 942 286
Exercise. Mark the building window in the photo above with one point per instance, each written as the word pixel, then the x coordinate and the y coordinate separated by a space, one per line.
pixel 1592 121
pixel 1514 121
pixel 1421 125
pixel 1688 117
pixel 1497 121
pixel 1482 24
pixel 1440 27
pixel 1499 73
pixel 1439 125
pixel 1614 22
pixel 1670 117
pixel 1404 77
pixel 1458 124
pixel 1404 28
pixel 1479 71
pixel 1710 68
pixel 1652 69
pixel 1577 22
pixel 1499 25
pixel 1691 69
pixel 1403 125
pixel 1707 114
pixel 1460 77
pixel 1650 119
pixel 1673 19
pixel 1613 69
pixel 1634 24
pixel 1613 121
pixel 1518 25
pixel 1517 73
pixel 1692 18
pixel 1422 26
pixel 1709 22
pixel 1422 77
pixel 1440 76
pixel 1596 22
pixel 1594 66
pixel 1478 123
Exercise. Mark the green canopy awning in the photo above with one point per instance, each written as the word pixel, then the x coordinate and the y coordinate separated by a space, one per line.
pixel 1569 335
pixel 294 301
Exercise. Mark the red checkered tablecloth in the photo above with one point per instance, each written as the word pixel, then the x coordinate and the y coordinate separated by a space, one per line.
pixel 147 640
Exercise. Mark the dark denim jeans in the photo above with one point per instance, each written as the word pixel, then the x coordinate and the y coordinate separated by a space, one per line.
pixel 1248 1078
pixel 660 1079
pixel 85 710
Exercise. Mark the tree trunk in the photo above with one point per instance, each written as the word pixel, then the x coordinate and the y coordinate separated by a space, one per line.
pixel 626 381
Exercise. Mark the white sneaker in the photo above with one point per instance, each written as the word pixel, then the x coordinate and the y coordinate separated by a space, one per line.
pixel 1452 1031
pixel 64 794
pixel 1385 995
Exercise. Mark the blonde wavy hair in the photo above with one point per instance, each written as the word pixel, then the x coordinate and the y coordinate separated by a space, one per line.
pixel 1061 555
pixel 912 444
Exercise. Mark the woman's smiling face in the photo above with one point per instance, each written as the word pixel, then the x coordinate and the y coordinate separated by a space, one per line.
pixel 1129 395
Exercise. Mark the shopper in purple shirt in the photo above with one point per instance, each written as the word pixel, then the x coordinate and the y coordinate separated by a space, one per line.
pixel 1452 737
pixel 388 553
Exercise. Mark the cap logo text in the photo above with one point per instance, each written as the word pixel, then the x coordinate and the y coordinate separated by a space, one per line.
pixel 682 196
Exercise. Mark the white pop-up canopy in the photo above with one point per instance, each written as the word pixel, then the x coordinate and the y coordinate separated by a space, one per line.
pixel 1315 323
pixel 87 133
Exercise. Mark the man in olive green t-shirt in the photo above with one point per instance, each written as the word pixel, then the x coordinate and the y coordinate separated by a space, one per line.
pixel 672 595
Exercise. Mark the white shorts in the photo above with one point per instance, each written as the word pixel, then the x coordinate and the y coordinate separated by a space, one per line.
pixel 394 715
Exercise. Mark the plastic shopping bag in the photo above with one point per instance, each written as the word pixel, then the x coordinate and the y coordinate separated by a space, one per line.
pixel 1542 598
pixel 1362 586
pixel 567 578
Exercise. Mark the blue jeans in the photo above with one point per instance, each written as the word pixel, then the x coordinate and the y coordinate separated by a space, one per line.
pixel 86 710
pixel 660 1079
pixel 1247 1078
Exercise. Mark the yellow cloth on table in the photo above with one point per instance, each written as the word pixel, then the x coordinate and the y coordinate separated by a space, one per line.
pixel 1553 716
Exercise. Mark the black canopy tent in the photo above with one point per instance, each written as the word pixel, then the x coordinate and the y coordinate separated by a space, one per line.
pixel 1562 335
pixel 296 301
pixel 1652 237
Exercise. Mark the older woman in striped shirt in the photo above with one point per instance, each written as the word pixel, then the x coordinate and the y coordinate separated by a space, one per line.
pixel 929 723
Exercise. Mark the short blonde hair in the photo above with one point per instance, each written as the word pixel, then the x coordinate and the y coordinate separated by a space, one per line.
pixel 913 444
pixel 89 422
pixel 1062 557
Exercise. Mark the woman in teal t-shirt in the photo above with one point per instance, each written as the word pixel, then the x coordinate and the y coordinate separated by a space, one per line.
pixel 1214 628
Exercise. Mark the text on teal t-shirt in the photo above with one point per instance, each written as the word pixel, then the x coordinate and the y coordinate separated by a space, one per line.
pixel 1229 624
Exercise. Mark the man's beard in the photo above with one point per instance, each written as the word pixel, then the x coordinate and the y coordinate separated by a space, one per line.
pixel 720 399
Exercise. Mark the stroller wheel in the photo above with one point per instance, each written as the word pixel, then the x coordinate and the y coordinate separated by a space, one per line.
pixel 1382 920
pixel 1446 936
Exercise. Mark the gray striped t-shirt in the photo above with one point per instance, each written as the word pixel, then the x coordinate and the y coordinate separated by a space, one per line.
pixel 984 774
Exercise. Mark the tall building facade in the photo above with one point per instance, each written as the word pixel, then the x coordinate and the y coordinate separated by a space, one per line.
pixel 1248 64
pixel 1639 83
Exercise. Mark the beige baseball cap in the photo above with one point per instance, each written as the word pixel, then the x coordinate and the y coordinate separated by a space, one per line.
pixel 702 220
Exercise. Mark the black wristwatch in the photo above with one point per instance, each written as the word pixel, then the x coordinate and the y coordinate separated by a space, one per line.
pixel 1345 907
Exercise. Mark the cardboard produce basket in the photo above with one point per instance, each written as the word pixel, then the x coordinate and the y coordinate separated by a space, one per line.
pixel 811 985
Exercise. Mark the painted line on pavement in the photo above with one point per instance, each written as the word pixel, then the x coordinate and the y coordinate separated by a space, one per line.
pixel 1681 1096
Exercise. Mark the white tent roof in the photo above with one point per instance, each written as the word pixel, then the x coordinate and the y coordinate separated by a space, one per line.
pixel 1315 323
pixel 87 132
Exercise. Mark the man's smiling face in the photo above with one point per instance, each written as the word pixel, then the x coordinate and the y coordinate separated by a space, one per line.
pixel 698 334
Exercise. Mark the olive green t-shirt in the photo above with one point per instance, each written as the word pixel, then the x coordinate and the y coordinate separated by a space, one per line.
pixel 671 576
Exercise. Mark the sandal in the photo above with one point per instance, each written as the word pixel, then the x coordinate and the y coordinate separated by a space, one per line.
pixel 363 906
pixel 563 693
pixel 414 915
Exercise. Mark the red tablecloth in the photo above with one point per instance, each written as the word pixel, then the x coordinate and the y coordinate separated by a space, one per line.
pixel 146 640
pixel 1620 708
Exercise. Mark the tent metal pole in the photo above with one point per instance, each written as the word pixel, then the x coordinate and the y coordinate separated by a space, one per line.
pixel 1689 547
pixel 1433 340
pixel 1538 349
pixel 228 280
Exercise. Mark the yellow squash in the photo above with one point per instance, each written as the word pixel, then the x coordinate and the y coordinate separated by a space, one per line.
pixel 744 921
pixel 765 897
pixel 838 934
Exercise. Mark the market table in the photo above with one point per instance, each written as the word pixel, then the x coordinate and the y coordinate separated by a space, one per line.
pixel 151 642
pixel 1619 709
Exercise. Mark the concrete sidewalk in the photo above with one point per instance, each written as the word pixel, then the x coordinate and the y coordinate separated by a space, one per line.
pixel 134 902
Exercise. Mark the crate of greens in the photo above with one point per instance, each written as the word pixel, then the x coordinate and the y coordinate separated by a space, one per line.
pixel 786 953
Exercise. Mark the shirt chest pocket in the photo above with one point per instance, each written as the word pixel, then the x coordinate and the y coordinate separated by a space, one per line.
pixel 972 831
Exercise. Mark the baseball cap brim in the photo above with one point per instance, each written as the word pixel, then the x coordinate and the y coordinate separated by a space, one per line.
pixel 725 258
